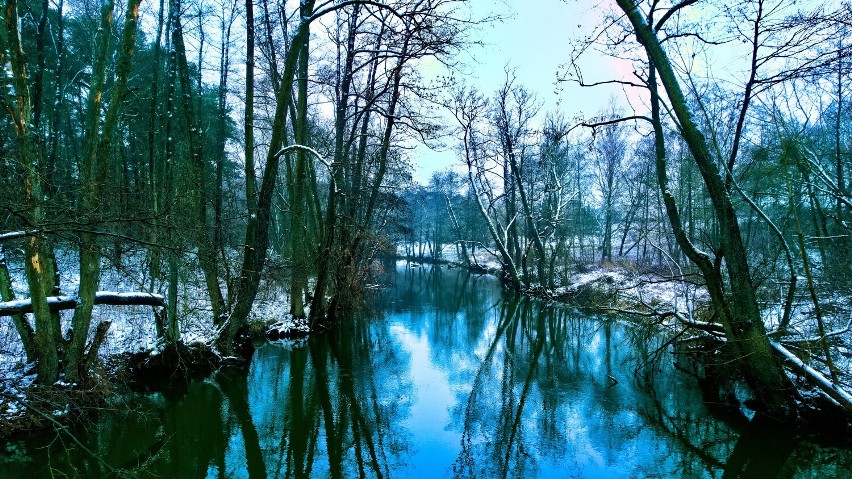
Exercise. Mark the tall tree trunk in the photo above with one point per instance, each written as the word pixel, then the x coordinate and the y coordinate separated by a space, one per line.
pixel 528 212
pixel 169 191
pixel 838 157
pixel 329 233
pixel 298 192
pixel 248 116
pixel 96 154
pixel 740 313
pixel 154 183
pixel 38 83
pixel 93 171
pixel 221 154
pixel 806 263
pixel 37 250
pixel 207 257
pixel 59 100
pixel 257 229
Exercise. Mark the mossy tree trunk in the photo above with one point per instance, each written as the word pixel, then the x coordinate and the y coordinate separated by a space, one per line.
pixel 736 301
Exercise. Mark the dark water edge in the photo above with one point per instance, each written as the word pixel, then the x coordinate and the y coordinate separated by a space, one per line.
pixel 450 377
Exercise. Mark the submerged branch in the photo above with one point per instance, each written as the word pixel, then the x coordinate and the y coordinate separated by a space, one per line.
pixel 59 427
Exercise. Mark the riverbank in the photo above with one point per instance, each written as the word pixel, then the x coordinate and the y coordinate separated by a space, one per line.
pixel 133 360
pixel 450 374
pixel 677 303
pixel 131 351
pixel 607 287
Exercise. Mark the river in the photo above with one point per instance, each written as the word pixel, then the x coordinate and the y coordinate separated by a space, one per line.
pixel 448 377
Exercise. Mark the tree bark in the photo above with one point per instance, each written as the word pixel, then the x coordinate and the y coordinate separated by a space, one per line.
pixel 248 116
pixel 298 192
pixel 257 230
pixel 95 170
pixel 22 325
pixel 38 267
pixel 206 255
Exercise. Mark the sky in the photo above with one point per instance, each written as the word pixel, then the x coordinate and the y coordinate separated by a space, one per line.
pixel 534 39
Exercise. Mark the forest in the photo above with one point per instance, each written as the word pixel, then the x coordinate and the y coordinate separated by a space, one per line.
pixel 211 167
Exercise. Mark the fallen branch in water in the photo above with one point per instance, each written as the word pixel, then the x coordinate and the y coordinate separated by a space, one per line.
pixel 713 328
pixel 815 377
pixel 58 303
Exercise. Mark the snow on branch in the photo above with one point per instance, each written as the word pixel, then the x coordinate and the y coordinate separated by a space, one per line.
pixel 308 149
pixel 58 303
pixel 815 377
pixel 15 235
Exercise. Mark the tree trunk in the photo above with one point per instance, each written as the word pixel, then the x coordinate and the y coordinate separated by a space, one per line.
pixel 257 229
pixel 59 97
pixel 207 257
pixel 738 311
pixel 22 325
pixel 38 267
pixel 95 171
pixel 528 213
pixel 248 118
pixel 329 233
pixel 298 192
pixel 154 185
pixel 806 263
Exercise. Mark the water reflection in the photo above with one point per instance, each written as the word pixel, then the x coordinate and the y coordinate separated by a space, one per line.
pixel 455 379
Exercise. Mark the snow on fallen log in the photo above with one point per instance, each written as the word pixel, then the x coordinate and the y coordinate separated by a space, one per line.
pixel 702 325
pixel 58 303
pixel 15 235
pixel 829 388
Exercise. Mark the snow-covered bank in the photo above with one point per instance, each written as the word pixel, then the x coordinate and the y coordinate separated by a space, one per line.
pixel 676 303
pixel 131 316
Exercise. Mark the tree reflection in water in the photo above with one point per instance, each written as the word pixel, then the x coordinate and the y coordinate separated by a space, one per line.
pixel 454 379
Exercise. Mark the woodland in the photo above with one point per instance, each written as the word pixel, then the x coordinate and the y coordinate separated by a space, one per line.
pixel 211 152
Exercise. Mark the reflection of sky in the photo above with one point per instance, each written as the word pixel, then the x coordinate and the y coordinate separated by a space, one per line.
pixel 430 403
pixel 573 424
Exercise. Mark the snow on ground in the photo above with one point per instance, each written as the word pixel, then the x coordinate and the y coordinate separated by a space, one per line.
pixel 449 252
pixel 633 290
pixel 661 292
pixel 133 327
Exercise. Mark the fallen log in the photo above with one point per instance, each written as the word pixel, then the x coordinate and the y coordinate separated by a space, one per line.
pixel 815 377
pixel 15 235
pixel 58 303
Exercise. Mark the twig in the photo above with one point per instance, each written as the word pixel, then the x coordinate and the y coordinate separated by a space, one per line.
pixel 59 426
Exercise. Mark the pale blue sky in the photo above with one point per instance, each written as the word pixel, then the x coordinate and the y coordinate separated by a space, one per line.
pixel 535 38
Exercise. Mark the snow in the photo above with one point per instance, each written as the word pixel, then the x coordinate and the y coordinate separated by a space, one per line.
pixel 821 381
pixel 482 257
pixel 12 235
pixel 133 328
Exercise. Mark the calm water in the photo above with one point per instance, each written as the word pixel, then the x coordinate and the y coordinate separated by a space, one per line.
pixel 453 378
